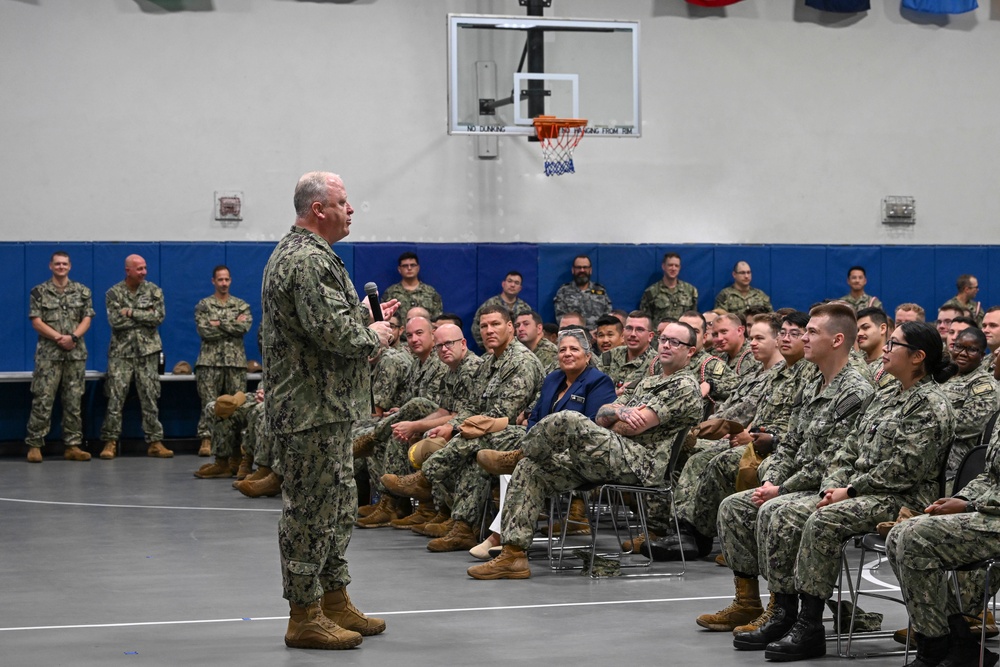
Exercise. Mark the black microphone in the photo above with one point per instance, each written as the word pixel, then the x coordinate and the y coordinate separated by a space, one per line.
pixel 371 289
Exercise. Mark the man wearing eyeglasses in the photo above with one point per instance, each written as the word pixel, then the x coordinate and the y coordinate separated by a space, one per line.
pixel 411 291
pixel 629 363
pixel 739 296
pixel 589 299
pixel 630 444
pixel 503 387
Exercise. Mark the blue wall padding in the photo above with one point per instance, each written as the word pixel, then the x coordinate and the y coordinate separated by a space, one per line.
pixel 466 274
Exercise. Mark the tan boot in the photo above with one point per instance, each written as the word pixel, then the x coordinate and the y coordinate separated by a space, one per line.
pixel 108 452
pixel 578 523
pixel 425 512
pixel 385 511
pixel 720 560
pixel 245 467
pixel 634 545
pixel 34 454
pixel 74 453
pixel 363 446
pixel 459 538
pixel 436 528
pixel 512 563
pixel 744 608
pixel 498 463
pixel 975 627
pixel 365 510
pixel 158 451
pixel 206 447
pixel 308 627
pixel 761 620
pixel 215 470
pixel 338 608
pixel 269 486
pixel 414 486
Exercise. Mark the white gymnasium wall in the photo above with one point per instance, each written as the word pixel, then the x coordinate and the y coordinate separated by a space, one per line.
pixel 766 122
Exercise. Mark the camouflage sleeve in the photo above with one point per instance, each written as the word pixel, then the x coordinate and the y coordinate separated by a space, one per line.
pixel 330 321
pixel 202 317
pixel 975 407
pixel 236 327
pixel 516 385
pixel 905 442
pixel 114 304
pixel 781 463
pixel 88 302
pixel 152 317
pixel 723 380
pixel 437 303
pixel 720 299
pixel 679 406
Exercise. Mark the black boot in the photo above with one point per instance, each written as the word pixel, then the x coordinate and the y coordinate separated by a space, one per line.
pixel 963 647
pixel 806 639
pixel 786 609
pixel 930 650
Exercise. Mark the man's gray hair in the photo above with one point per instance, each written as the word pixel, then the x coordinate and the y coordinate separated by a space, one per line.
pixel 579 334
pixel 311 187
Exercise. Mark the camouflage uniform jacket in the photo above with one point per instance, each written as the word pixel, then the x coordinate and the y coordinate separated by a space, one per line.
pixel 548 355
pixel 743 361
pixel 733 301
pixel 860 363
pixel 985 489
pixel 62 310
pixel 975 308
pixel 861 302
pixel 744 402
pixel 591 302
pixel 898 447
pixel 316 339
pixel 425 378
pixel 676 400
pixel 520 307
pixel 424 296
pixel 222 345
pixel 615 364
pixel 459 383
pixel 504 386
pixel 713 370
pixel 136 336
pixel 389 377
pixel 775 410
pixel 821 421
pixel 974 399
pixel 662 302
pixel 880 379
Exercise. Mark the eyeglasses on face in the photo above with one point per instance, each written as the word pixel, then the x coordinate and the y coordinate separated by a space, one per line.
pixel 673 342
pixel 789 333
pixel 448 344
pixel 964 349
pixel 891 343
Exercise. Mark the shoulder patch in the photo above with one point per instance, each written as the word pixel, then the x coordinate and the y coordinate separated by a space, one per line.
pixel 848 405
pixel 983 387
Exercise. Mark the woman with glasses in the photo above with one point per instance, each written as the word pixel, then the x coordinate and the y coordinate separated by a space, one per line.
pixel 973 394
pixel 892 458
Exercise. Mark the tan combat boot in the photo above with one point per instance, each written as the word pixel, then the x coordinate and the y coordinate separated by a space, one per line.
pixel 158 451
pixel 437 527
pixel 385 511
pixel 268 486
pixel 205 449
pixel 415 486
pixel 365 510
pixel 577 521
pixel 745 608
pixel 245 467
pixel 459 538
pixel 498 463
pixel 760 620
pixel 74 453
pixel 634 545
pixel 338 608
pixel 215 470
pixel 34 454
pixel 108 452
pixel 512 563
pixel 425 512
pixel 308 627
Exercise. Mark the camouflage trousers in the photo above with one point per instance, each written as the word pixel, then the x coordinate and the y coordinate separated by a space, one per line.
pixel 715 481
pixel 390 456
pixel 66 379
pixel 921 549
pixel 227 434
pixel 562 452
pixel 660 520
pixel 457 478
pixel 259 444
pixel 318 511
pixel 147 385
pixel 214 381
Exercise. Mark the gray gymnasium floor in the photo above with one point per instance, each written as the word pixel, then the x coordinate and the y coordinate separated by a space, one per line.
pixel 137 562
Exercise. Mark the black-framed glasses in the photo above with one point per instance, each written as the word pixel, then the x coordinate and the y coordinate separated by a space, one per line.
pixel 793 333
pixel 966 349
pixel 892 342
pixel 448 344
pixel 673 342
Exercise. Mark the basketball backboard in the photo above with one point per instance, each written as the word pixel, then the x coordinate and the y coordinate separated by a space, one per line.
pixel 505 70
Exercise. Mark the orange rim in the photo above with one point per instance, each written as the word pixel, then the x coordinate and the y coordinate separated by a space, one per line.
pixel 547 127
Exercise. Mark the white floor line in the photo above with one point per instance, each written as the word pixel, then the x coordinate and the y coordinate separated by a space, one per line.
pixel 141 507
pixel 374 613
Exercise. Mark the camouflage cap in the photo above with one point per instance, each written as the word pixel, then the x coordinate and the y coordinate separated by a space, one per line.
pixel 182 368
pixel 226 405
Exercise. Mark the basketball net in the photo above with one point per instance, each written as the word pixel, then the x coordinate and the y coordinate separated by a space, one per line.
pixel 559 137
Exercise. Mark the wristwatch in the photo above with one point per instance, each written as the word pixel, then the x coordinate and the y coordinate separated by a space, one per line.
pixel 971 506
pixel 76 339
pixel 851 492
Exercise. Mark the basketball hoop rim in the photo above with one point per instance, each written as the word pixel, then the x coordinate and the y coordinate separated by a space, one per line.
pixel 548 127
